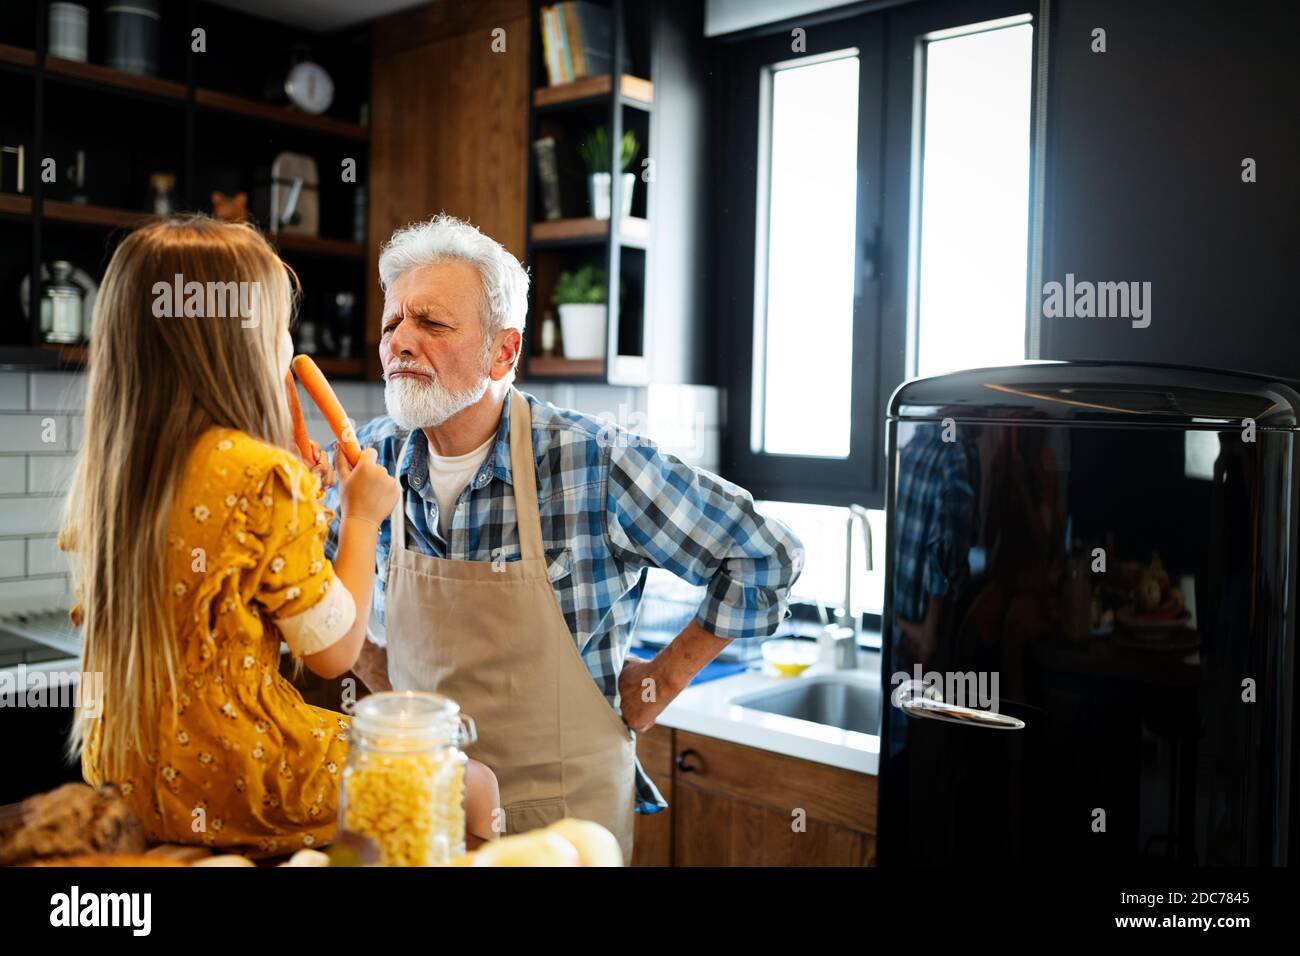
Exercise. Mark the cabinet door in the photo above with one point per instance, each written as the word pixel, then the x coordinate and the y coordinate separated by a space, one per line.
pixel 740 806
pixel 713 829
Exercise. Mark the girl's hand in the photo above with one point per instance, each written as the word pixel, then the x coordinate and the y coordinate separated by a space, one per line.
pixel 367 490
pixel 322 469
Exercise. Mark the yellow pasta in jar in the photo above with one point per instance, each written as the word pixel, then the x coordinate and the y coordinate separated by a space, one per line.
pixel 403 784
pixel 410 803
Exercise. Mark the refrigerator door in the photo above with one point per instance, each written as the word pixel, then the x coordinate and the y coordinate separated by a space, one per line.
pixel 1104 556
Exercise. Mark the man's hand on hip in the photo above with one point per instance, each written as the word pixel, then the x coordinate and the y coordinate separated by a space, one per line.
pixel 645 688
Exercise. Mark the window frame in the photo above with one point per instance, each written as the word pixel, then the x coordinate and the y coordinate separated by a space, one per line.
pixel 887 41
pixel 745 111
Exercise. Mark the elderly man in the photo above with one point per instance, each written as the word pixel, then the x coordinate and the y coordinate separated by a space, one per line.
pixel 509 574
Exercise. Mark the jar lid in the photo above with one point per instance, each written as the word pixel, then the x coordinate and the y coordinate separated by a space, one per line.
pixel 408 715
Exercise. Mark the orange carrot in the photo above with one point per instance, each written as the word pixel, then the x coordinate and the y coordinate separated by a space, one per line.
pixel 300 436
pixel 319 389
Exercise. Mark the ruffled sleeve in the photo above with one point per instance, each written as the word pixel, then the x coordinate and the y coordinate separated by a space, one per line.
pixel 296 586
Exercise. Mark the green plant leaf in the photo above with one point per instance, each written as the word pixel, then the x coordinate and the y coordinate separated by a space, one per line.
pixel 586 285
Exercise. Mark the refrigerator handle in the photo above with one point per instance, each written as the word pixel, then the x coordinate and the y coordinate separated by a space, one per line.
pixel 915 701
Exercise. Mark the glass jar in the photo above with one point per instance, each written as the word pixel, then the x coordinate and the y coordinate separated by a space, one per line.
pixel 404 781
pixel 65 305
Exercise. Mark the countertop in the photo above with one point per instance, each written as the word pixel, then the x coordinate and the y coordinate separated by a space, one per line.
pixel 711 709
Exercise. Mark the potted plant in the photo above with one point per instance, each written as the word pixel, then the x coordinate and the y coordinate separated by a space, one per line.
pixel 580 298
pixel 596 155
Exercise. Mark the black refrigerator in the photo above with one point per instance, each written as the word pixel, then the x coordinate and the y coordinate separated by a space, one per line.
pixel 1089 625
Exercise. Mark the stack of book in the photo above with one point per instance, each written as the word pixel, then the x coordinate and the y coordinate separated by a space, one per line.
pixel 577 40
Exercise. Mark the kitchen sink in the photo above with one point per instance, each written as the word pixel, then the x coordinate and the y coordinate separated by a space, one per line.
pixel 846 703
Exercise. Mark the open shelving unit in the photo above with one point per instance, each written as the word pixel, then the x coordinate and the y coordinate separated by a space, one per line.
pixel 652 258
pixel 569 112
pixel 200 119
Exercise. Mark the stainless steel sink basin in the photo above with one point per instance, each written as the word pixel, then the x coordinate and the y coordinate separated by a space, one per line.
pixel 845 703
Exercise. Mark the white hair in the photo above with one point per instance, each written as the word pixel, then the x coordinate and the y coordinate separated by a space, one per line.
pixel 505 283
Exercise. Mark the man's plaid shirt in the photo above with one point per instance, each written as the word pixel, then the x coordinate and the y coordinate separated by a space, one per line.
pixel 612 504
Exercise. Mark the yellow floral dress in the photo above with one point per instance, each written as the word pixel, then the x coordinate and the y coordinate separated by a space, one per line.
pixel 244 764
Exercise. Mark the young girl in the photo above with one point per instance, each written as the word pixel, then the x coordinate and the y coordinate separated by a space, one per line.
pixel 197 542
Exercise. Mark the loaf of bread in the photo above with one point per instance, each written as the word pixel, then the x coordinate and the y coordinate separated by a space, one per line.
pixel 68 821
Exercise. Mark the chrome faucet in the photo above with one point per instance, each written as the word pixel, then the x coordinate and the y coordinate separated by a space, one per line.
pixel 842 636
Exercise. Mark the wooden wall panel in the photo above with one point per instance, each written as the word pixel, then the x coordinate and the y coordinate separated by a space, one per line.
pixel 449 121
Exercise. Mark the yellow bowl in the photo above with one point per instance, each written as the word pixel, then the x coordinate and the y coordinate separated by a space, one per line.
pixel 791 657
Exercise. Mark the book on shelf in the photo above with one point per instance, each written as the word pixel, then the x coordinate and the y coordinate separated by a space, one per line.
pixel 561 178
pixel 578 41
pixel 548 176
pixel 566 59
pixel 551 47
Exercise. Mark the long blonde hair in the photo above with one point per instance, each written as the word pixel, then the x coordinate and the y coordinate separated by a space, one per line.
pixel 156 384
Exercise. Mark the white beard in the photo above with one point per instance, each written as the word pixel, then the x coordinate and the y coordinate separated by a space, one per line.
pixel 414 403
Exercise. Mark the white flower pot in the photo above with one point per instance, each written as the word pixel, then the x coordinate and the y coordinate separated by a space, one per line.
pixel 582 326
pixel 598 194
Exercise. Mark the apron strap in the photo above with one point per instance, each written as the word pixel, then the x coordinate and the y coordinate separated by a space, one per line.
pixel 399 510
pixel 523 476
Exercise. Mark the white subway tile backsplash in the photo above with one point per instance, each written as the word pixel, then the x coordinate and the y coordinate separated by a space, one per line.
pixel 13 391
pixel 50 474
pixel 75 424
pixel 12 558
pixel 56 391
pixel 30 515
pixel 13 474
pixel 23 433
pixel 44 557
pixel 35 594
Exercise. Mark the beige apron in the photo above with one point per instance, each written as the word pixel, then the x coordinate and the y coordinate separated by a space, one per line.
pixel 491 636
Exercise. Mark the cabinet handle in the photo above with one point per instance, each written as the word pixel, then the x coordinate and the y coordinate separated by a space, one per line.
pixel 681 761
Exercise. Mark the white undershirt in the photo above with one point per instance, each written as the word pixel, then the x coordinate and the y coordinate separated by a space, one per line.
pixel 450 475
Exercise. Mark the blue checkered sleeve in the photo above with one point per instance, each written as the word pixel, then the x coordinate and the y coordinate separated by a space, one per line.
pixel 663 513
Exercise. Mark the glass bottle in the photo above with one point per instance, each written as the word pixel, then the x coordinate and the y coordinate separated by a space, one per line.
pixel 404 781
pixel 65 305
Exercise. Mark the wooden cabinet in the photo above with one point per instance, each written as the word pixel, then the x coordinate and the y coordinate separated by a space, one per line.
pixel 733 805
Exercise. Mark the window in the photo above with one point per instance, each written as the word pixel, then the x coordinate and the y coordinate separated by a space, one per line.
pixel 870 219
pixel 972 150
pixel 805 264
pixel 823 532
